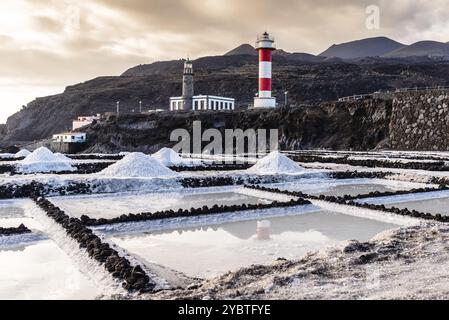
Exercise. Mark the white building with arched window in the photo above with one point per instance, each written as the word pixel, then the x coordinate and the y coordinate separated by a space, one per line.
pixel 203 103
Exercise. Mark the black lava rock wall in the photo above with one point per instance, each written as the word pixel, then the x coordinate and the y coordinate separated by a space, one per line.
pixel 420 121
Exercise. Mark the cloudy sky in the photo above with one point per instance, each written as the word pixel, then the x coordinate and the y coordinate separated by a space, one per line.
pixel 46 45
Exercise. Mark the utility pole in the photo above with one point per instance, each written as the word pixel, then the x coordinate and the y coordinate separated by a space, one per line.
pixel 118 108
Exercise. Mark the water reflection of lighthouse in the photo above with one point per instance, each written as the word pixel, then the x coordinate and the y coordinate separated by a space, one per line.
pixel 263 230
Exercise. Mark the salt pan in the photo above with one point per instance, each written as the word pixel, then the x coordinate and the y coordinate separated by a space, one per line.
pixel 7 155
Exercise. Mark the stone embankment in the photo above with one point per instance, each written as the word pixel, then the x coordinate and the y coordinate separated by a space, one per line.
pixel 420 121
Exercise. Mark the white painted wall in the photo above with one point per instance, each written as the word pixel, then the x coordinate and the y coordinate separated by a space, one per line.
pixel 205 103
pixel 70 138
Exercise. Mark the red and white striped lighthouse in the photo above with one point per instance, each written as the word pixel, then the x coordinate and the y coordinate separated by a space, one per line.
pixel 265 46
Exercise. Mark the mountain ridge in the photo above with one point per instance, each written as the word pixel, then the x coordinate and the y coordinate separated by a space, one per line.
pixel 421 48
pixel 247 49
pixel 368 47
pixel 308 79
pixel 242 49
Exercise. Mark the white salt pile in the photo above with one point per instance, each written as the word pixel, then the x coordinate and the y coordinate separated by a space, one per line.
pixel 276 163
pixel 22 153
pixel 43 160
pixel 138 165
pixel 62 157
pixel 168 157
pixel 44 155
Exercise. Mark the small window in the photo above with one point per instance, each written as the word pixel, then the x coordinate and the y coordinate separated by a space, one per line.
pixel 221 105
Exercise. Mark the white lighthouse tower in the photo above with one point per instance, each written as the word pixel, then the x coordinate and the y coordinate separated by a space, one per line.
pixel 265 46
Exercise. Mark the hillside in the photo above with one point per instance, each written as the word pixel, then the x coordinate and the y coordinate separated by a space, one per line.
pixel 235 76
pixel 422 48
pixel 247 49
pixel 307 78
pixel 371 47
pixel 242 50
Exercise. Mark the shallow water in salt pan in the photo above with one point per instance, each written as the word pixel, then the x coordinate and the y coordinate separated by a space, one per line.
pixel 435 202
pixel 351 187
pixel 433 206
pixel 12 214
pixel 210 251
pixel 15 222
pixel 113 206
pixel 41 271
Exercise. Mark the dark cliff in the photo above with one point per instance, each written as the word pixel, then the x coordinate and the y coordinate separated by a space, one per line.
pixel 400 121
pixel 358 125
pixel 236 76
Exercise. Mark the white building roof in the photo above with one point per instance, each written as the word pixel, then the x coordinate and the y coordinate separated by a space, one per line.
pixel 205 96
pixel 70 134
